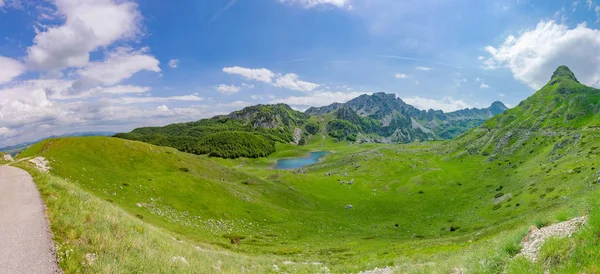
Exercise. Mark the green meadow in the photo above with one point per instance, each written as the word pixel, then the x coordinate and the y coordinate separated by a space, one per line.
pixel 444 206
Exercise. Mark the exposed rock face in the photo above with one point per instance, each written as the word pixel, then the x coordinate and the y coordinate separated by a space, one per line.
pixel 401 122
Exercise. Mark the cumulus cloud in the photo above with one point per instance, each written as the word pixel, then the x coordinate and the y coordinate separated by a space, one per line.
pixel 533 55
pixel 9 69
pixel 162 108
pixel 314 3
pixel 292 81
pixel 119 65
pixel 447 104
pixel 289 81
pixel 173 63
pixel 225 89
pixel 423 68
pixel 261 75
pixel 84 30
pixel 318 99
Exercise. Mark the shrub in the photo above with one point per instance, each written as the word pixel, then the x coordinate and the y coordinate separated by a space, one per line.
pixel 512 248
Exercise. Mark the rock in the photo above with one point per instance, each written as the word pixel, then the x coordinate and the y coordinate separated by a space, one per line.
pixel 349 207
pixel 535 238
pixel 351 182
pixel 385 270
pixel 40 163
pixel 179 259
pixel 90 258
pixel 9 158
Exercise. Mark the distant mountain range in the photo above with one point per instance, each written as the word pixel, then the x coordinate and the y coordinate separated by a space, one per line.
pixel 400 122
pixel 14 149
pixel 379 117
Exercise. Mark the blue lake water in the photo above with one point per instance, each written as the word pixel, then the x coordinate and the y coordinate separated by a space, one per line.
pixel 293 163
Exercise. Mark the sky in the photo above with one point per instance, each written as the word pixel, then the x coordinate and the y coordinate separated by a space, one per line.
pixel 114 65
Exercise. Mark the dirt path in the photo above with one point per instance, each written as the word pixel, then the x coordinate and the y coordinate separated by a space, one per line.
pixel 26 244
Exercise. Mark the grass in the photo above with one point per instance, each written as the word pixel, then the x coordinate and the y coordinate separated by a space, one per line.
pixel 101 237
pixel 301 217
pixel 421 207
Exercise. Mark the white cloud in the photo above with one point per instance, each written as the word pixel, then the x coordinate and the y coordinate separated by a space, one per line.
pixel 288 81
pixel 481 83
pixel 225 89
pixel 9 69
pixel 424 68
pixel 480 58
pixel 4 131
pixel 589 4
pixel 291 81
pixel 501 94
pixel 401 76
pixel 447 104
pixel 262 75
pixel 20 106
pixel 119 65
pixel 88 26
pixel 535 54
pixel 141 100
pixel 318 99
pixel 247 85
pixel 162 108
pixel 173 63
pixel 314 3
pixel 122 89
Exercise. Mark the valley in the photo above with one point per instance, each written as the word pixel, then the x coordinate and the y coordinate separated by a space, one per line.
pixel 433 206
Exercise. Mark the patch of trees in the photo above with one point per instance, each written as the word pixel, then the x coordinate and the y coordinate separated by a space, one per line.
pixel 236 144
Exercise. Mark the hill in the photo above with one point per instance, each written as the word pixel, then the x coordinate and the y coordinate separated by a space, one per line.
pixel 380 118
pixel 15 149
pixel 260 126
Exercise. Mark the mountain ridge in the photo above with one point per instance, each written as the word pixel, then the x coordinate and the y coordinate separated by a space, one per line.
pixel 377 118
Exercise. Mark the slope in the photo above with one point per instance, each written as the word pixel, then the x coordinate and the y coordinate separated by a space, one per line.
pixel 422 207
pixel 260 125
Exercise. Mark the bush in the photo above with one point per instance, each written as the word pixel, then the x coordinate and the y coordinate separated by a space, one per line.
pixel 512 249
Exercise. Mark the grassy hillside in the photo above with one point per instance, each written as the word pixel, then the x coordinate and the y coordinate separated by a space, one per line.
pixel 423 207
pixel 257 128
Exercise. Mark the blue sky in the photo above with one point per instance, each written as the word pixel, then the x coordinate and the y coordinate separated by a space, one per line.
pixel 107 65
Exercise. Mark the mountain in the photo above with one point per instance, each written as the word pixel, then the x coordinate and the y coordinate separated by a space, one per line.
pixel 563 110
pixel 250 132
pixel 380 118
pixel 401 122
pixel 15 149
